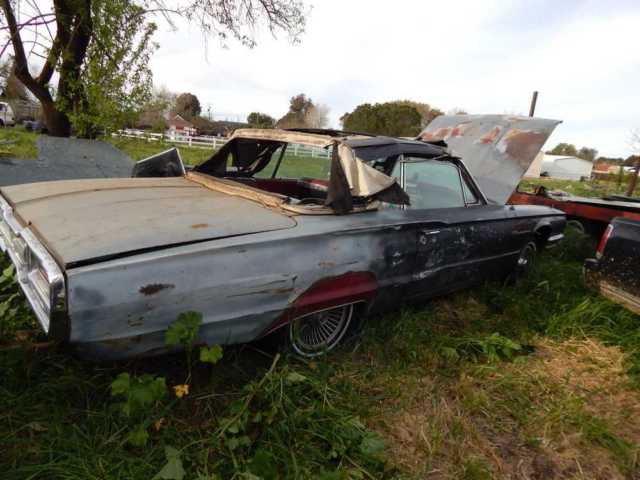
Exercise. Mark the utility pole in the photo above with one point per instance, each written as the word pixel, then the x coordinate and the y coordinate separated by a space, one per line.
pixel 534 100
pixel 634 178
pixel 634 143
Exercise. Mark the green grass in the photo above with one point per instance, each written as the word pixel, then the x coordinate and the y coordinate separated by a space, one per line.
pixel 22 143
pixel 138 149
pixel 539 377
pixel 467 385
pixel 590 188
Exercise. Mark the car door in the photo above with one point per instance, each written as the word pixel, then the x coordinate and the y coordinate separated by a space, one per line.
pixel 458 234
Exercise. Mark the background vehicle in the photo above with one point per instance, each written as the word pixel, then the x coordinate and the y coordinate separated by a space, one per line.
pixel 588 215
pixel 7 117
pixel 615 272
pixel 258 239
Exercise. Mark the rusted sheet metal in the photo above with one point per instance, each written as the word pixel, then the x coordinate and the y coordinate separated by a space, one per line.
pixel 497 149
pixel 98 218
pixel 593 209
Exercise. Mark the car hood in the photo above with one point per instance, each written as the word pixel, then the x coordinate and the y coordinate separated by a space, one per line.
pixel 497 149
pixel 81 221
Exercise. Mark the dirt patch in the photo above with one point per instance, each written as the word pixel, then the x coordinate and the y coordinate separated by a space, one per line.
pixel 567 411
pixel 595 373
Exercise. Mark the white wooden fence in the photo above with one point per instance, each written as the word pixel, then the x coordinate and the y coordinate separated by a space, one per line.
pixel 201 141
pixel 214 143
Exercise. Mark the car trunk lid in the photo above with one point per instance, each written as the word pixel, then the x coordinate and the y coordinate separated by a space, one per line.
pixel 80 221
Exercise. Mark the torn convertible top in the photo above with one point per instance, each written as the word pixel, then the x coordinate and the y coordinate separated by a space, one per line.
pixel 358 178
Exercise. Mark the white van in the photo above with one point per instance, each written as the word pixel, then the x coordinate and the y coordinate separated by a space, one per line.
pixel 6 115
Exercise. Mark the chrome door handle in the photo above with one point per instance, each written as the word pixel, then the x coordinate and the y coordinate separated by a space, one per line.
pixel 430 232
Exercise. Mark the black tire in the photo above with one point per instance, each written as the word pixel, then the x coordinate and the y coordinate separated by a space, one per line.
pixel 320 332
pixel 1 123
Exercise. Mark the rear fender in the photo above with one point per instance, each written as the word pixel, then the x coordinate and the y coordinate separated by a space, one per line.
pixel 330 292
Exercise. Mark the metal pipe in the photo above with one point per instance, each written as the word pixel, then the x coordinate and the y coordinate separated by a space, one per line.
pixel 534 100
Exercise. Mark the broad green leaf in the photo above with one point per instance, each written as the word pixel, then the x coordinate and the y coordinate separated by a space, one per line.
pixel 138 436
pixel 121 385
pixel 295 377
pixel 211 354
pixel 372 445
pixel 173 469
pixel 184 330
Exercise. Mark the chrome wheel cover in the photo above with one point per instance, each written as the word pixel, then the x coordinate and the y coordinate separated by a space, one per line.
pixel 318 332
pixel 526 257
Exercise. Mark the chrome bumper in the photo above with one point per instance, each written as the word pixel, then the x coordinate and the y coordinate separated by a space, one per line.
pixel 38 274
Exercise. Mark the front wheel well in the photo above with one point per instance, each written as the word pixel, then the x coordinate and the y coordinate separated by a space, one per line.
pixel 541 236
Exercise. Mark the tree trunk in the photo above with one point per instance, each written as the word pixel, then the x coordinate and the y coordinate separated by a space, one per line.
pixel 74 29
pixel 57 122
pixel 634 179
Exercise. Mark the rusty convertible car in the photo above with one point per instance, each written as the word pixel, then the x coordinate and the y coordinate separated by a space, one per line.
pixel 303 230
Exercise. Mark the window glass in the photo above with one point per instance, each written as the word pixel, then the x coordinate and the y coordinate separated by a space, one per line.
pixel 300 161
pixel 433 184
pixel 469 196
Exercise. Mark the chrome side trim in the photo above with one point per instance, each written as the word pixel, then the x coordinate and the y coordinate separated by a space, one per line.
pixel 555 238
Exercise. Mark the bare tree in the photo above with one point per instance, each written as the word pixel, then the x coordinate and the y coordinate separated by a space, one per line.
pixel 61 35
pixel 634 143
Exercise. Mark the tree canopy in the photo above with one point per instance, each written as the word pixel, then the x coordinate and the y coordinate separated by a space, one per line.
pixel 303 113
pixel 570 150
pixel 100 49
pixel 426 111
pixel 260 120
pixel 397 119
pixel 187 106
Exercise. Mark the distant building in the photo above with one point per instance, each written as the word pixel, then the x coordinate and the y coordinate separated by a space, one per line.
pixel 565 167
pixel 180 126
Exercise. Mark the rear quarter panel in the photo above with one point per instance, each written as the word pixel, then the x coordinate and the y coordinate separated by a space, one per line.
pixel 243 286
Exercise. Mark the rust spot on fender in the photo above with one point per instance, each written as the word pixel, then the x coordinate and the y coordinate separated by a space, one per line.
pixel 200 225
pixel 154 288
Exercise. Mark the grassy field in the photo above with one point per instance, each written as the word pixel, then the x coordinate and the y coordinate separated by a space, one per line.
pixel 591 188
pixel 19 143
pixel 137 149
pixel 533 380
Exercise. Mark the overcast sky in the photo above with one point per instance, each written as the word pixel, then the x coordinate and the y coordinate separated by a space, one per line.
pixel 482 56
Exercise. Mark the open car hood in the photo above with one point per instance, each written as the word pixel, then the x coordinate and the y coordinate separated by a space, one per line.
pixel 497 149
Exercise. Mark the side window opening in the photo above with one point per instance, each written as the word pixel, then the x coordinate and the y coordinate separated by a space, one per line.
pixel 434 184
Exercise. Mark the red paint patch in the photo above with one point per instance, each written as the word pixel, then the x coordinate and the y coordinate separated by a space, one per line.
pixel 330 292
